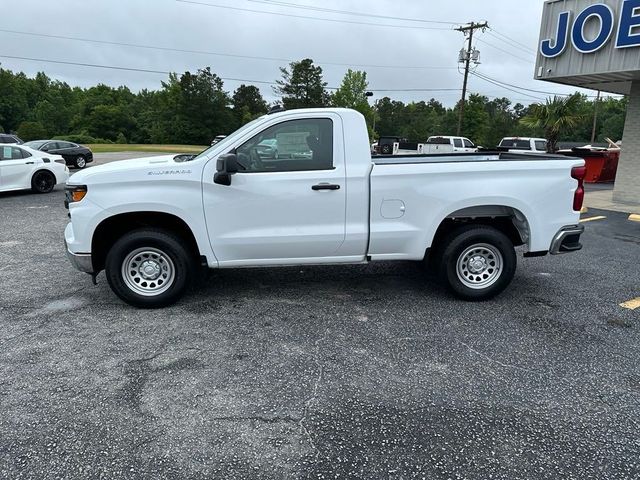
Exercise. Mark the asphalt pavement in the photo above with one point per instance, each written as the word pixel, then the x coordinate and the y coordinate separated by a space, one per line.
pixel 318 372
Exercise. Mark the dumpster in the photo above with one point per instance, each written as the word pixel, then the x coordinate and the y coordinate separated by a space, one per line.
pixel 601 163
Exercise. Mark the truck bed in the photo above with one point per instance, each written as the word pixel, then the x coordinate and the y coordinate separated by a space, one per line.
pixel 464 157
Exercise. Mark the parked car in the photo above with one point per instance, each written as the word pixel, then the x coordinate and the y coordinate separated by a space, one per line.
pixel 75 155
pixel 268 148
pixel 217 139
pixel 458 144
pixel 523 144
pixel 22 168
pixel 6 138
pixel 152 223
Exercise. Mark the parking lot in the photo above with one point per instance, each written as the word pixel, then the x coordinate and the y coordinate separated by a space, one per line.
pixel 318 372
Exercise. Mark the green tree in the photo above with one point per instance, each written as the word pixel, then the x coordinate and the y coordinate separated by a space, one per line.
pixel 28 131
pixel 248 103
pixel 302 86
pixel 556 117
pixel 353 94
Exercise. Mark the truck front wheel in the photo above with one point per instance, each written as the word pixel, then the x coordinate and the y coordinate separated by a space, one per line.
pixel 149 268
pixel 478 262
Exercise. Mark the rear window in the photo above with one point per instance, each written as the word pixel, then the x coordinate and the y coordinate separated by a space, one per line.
pixel 517 144
pixel 541 145
pixel 439 141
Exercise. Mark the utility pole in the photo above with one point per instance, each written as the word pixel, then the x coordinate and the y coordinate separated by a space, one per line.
pixel 595 119
pixel 466 57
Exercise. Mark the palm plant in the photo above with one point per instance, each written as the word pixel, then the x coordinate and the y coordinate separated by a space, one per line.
pixel 557 116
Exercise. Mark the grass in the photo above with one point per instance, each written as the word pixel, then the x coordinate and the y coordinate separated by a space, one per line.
pixel 108 147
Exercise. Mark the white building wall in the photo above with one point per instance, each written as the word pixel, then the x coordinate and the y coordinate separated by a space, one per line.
pixel 627 186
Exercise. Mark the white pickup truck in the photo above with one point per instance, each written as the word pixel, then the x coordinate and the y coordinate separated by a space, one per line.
pixel 152 223
pixel 523 145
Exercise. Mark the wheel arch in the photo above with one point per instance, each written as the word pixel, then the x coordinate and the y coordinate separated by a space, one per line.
pixel 507 219
pixel 114 227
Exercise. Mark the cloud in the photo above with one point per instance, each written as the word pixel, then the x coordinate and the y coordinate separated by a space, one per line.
pixel 173 24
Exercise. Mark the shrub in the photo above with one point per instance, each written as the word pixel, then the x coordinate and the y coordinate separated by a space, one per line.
pixel 121 138
pixel 28 131
pixel 81 138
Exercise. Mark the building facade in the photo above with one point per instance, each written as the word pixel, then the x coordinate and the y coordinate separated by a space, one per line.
pixel 596 45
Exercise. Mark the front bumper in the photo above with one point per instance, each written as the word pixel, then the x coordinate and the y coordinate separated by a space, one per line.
pixel 567 240
pixel 80 261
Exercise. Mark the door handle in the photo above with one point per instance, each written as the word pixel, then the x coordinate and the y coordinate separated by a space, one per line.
pixel 29 163
pixel 325 186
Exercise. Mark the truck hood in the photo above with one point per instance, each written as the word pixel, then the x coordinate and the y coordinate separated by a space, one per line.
pixel 137 165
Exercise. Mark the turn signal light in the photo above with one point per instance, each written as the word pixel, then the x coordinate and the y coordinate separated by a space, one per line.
pixel 75 193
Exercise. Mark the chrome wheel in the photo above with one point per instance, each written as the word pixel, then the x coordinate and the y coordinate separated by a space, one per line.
pixel 479 266
pixel 148 271
pixel 80 162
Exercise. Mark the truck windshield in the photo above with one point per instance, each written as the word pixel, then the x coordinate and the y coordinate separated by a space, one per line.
pixel 229 139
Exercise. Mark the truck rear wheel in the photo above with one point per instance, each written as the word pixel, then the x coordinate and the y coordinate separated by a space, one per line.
pixel 149 268
pixel 478 262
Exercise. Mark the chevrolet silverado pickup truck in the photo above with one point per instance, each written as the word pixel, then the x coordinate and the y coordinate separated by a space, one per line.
pixel 152 224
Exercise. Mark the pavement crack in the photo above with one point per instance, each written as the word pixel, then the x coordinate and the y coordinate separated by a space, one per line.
pixel 314 395
pixel 256 418
pixel 492 360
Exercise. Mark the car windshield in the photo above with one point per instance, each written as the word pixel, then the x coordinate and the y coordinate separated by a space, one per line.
pixel 229 138
pixel 35 144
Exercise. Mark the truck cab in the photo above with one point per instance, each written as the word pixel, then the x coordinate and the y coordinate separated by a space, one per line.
pixel 523 145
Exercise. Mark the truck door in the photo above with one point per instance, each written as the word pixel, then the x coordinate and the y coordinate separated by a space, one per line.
pixel 286 202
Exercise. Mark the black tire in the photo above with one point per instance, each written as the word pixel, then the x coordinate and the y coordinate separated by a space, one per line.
pixel 43 181
pixel 80 162
pixel 477 262
pixel 171 255
pixel 386 149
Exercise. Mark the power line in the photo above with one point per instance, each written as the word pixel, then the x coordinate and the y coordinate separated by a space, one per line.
pixel 193 2
pixel 531 50
pixel 232 79
pixel 204 52
pixel 502 86
pixel 344 12
pixel 512 45
pixel 129 69
pixel 414 90
pixel 505 51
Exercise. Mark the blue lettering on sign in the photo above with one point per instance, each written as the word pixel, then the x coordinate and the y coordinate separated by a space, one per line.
pixel 628 34
pixel 629 20
pixel 551 51
pixel 605 15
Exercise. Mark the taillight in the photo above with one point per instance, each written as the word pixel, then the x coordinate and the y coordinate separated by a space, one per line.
pixel 578 197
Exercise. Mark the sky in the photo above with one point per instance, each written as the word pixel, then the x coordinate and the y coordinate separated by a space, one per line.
pixel 394 41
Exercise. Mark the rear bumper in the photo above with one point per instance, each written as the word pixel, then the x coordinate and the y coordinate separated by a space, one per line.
pixel 567 240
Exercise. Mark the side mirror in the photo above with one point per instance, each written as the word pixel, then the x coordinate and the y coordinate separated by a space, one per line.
pixel 226 166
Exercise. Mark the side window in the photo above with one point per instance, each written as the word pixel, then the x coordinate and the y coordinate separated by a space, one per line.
pixel 50 146
pixel 540 145
pixel 17 153
pixel 468 143
pixel 5 139
pixel 457 143
pixel 12 153
pixel 289 146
